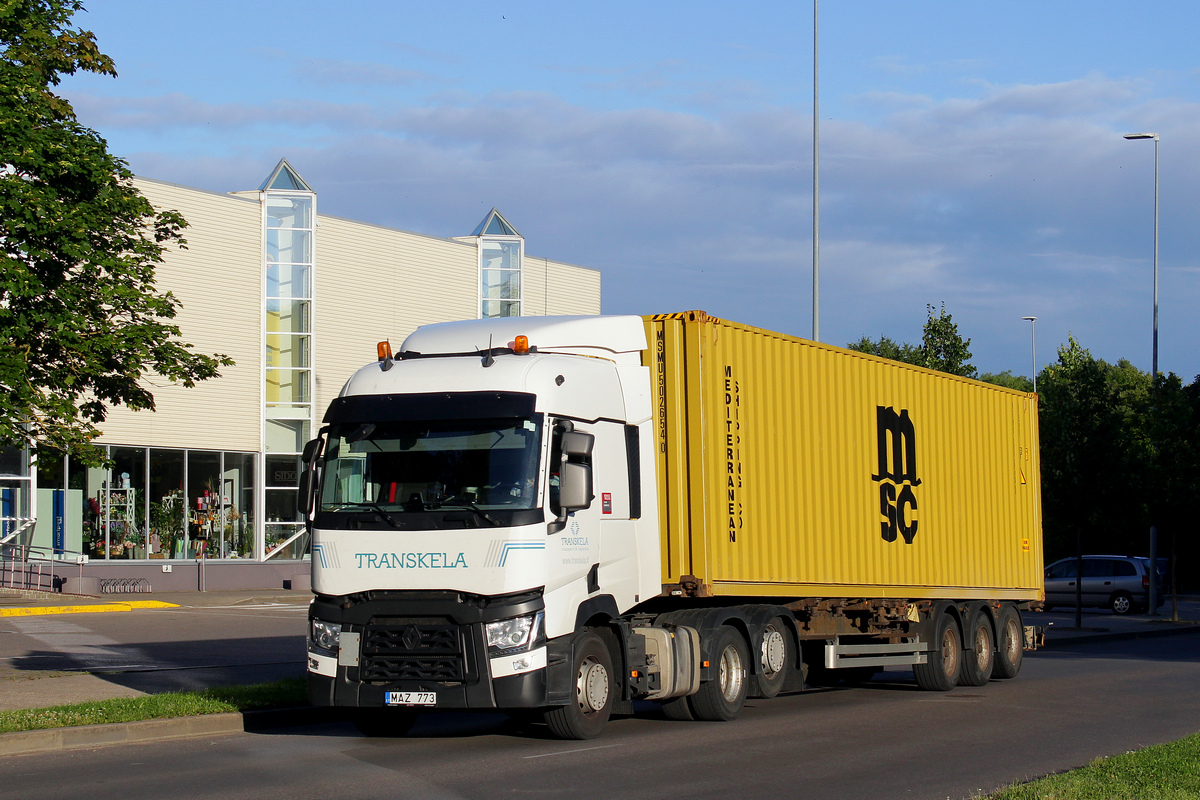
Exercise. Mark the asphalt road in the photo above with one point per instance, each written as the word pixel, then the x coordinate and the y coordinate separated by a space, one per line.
pixel 160 650
pixel 884 740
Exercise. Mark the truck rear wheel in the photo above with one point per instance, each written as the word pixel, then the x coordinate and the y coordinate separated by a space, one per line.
pixel 978 650
pixel 940 672
pixel 594 687
pixel 722 697
pixel 1011 651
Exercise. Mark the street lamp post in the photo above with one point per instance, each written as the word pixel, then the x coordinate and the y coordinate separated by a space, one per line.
pixel 816 286
pixel 1153 365
pixel 1032 349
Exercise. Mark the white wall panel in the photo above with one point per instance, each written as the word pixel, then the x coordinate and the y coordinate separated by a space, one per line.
pixel 218 281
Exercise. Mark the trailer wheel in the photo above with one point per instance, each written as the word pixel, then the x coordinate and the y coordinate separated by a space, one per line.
pixel 385 722
pixel 940 672
pixel 722 697
pixel 1012 643
pixel 777 655
pixel 978 650
pixel 594 686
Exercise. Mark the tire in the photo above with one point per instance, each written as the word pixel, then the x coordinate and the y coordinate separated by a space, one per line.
pixel 594 689
pixel 979 650
pixel 940 672
pixel 1010 650
pixel 722 697
pixel 677 708
pixel 1121 603
pixel 776 656
pixel 391 723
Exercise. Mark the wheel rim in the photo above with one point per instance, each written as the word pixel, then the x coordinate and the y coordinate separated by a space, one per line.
pixel 774 652
pixel 983 647
pixel 591 686
pixel 1012 641
pixel 1120 604
pixel 949 652
pixel 732 674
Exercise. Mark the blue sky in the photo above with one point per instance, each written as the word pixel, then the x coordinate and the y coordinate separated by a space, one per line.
pixel 971 153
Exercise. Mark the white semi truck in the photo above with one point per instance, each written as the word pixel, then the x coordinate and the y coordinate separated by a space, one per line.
pixel 561 516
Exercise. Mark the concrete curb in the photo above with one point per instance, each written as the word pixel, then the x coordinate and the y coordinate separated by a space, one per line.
pixel 1111 637
pixel 157 730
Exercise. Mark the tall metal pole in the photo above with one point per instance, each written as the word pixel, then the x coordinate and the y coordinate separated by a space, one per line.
pixel 1153 599
pixel 816 290
pixel 1154 355
pixel 1153 610
pixel 1032 349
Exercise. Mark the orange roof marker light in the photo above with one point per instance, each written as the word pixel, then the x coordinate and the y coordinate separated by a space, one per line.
pixel 384 349
pixel 520 346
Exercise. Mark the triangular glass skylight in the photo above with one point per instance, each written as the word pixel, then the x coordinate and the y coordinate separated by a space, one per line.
pixel 285 179
pixel 494 224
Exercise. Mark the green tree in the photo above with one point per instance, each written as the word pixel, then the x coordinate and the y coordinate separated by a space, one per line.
pixel 1007 380
pixel 941 348
pixel 82 323
pixel 888 348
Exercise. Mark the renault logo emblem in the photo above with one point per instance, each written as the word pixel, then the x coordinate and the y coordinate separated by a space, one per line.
pixel 411 637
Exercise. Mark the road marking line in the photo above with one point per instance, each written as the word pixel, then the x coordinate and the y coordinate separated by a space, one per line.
pixel 579 750
pixel 92 609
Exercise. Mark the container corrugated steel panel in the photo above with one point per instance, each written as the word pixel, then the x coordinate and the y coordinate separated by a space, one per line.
pixel 791 468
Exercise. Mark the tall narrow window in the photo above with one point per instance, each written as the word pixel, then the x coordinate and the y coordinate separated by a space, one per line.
pixel 501 251
pixel 289 232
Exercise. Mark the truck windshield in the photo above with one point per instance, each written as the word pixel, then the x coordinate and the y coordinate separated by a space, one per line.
pixel 398 468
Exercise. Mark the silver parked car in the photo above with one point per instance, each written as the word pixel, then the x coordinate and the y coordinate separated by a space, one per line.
pixel 1121 583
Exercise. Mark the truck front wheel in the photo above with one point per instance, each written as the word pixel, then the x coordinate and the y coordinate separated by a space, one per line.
pixel 722 697
pixel 594 686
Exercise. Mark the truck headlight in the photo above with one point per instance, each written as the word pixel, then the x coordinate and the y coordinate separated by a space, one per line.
pixel 514 635
pixel 324 635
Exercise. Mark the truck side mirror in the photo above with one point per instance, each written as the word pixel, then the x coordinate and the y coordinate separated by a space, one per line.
pixel 310 451
pixel 304 496
pixel 577 445
pixel 575 492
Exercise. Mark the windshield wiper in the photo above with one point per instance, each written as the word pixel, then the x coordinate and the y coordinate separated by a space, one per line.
pixel 373 507
pixel 453 502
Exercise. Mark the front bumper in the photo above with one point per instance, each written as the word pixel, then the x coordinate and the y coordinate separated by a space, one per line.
pixel 424 642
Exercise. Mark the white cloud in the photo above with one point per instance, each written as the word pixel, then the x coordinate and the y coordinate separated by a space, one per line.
pixel 1021 200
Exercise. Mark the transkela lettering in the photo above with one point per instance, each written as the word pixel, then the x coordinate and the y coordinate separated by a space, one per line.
pixel 410 560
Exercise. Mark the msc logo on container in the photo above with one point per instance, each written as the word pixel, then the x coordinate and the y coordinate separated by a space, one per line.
pixel 896 473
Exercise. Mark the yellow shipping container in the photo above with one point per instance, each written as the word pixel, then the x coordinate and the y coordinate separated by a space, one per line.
pixel 792 468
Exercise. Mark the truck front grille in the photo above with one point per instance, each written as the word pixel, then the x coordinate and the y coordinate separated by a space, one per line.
pixel 417 650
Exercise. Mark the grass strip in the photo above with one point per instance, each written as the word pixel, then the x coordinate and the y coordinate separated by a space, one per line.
pixel 1168 771
pixel 255 697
